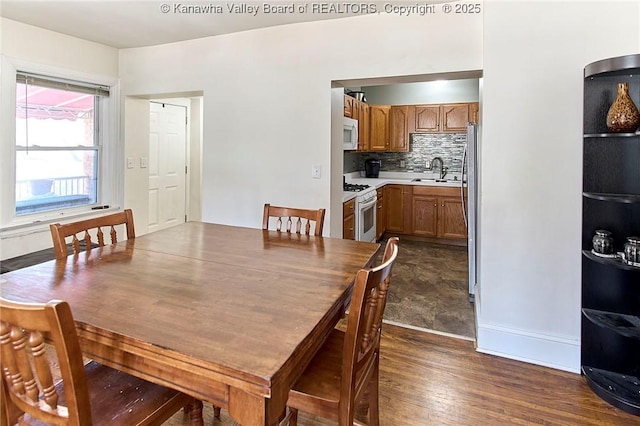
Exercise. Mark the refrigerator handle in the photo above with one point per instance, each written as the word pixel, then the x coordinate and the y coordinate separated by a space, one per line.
pixel 464 207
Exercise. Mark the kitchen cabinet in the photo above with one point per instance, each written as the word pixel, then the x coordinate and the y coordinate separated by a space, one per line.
pixel 451 223
pixel 349 220
pixel 364 124
pixel 437 212
pixel 441 118
pixel 348 106
pixel 425 214
pixel 610 331
pixel 395 196
pixel 454 117
pixel 398 130
pixel 474 112
pixel 426 119
pixel 381 213
pixel 379 136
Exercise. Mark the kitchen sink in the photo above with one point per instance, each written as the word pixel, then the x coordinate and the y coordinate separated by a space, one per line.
pixel 435 180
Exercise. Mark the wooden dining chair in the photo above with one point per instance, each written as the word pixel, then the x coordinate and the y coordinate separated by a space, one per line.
pixel 290 217
pixel 84 228
pixel 90 394
pixel 346 368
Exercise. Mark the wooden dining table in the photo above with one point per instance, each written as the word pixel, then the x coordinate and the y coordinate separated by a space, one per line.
pixel 229 315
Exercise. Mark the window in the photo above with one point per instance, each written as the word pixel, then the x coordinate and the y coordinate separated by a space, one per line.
pixel 57 144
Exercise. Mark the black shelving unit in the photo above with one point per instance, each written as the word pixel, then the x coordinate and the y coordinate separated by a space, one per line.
pixel 610 340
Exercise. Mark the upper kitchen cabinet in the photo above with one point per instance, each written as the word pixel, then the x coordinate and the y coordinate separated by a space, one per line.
pixel 454 117
pixel 398 130
pixel 379 137
pixel 474 112
pixel 441 118
pixel 364 125
pixel 348 106
pixel 424 119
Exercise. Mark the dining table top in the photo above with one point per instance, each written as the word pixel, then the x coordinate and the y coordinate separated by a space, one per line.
pixel 227 314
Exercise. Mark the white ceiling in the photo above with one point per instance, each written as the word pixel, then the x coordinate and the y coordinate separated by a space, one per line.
pixel 136 23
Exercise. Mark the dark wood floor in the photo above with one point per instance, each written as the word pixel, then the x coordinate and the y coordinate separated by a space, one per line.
pixel 428 379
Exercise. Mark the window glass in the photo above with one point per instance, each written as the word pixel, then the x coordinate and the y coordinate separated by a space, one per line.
pixel 57 151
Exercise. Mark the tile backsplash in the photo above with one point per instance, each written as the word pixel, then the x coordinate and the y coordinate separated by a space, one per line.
pixel 422 149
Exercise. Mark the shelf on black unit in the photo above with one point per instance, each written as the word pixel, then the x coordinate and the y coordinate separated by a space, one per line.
pixel 620 390
pixel 611 135
pixel 618 263
pixel 625 325
pixel 618 198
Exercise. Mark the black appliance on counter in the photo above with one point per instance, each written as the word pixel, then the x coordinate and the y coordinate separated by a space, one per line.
pixel 372 168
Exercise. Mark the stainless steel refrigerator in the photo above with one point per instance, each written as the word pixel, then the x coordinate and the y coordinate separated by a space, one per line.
pixel 470 202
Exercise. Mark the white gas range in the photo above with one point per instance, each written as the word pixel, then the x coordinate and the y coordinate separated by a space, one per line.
pixel 366 197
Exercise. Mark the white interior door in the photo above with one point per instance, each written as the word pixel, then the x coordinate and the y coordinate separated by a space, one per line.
pixel 167 165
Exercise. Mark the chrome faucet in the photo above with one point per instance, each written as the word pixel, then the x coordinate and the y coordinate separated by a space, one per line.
pixel 443 168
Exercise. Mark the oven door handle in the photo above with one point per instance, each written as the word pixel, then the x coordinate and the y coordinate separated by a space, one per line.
pixel 367 204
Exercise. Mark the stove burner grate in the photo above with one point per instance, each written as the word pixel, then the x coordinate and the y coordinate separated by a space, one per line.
pixel 353 187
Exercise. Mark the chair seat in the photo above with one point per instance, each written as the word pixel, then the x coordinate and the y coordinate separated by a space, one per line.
pixel 319 386
pixel 111 390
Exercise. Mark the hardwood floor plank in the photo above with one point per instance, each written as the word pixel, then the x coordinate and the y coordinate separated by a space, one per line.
pixel 428 379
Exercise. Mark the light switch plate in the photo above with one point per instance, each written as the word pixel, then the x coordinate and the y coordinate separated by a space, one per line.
pixel 316 171
pixel 131 162
pixel 143 162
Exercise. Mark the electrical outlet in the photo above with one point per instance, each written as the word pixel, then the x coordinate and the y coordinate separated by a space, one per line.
pixel 428 165
pixel 316 171
pixel 403 163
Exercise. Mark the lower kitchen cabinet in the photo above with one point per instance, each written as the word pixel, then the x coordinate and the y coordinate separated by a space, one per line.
pixel 381 213
pixel 451 223
pixel 397 199
pixel 425 211
pixel 425 215
pixel 349 220
pixel 437 212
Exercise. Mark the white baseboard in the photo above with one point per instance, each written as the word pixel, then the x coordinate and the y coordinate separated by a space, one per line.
pixel 540 349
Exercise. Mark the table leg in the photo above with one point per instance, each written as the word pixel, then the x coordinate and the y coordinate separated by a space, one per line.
pixel 195 413
pixel 249 409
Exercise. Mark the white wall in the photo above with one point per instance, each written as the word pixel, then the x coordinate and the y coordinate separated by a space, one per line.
pixel 47 52
pixel 267 100
pixel 531 169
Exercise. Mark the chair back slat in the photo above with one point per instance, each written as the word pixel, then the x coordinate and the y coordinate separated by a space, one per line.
pixel 59 233
pixel 364 328
pixel 26 369
pixel 303 218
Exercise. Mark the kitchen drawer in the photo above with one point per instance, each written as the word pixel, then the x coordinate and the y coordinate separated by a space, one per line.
pixel 442 191
pixel 349 207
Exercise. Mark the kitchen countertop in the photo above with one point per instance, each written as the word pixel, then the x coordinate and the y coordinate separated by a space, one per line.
pixel 402 178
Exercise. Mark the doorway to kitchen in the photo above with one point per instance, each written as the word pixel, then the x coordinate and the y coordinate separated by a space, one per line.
pixel 433 288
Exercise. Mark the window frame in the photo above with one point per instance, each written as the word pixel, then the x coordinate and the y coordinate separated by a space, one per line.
pixel 110 165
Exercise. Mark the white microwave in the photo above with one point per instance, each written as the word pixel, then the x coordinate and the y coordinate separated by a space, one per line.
pixel 350 132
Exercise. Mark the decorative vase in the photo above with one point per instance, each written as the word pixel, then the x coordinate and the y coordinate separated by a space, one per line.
pixel 602 242
pixel 623 115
